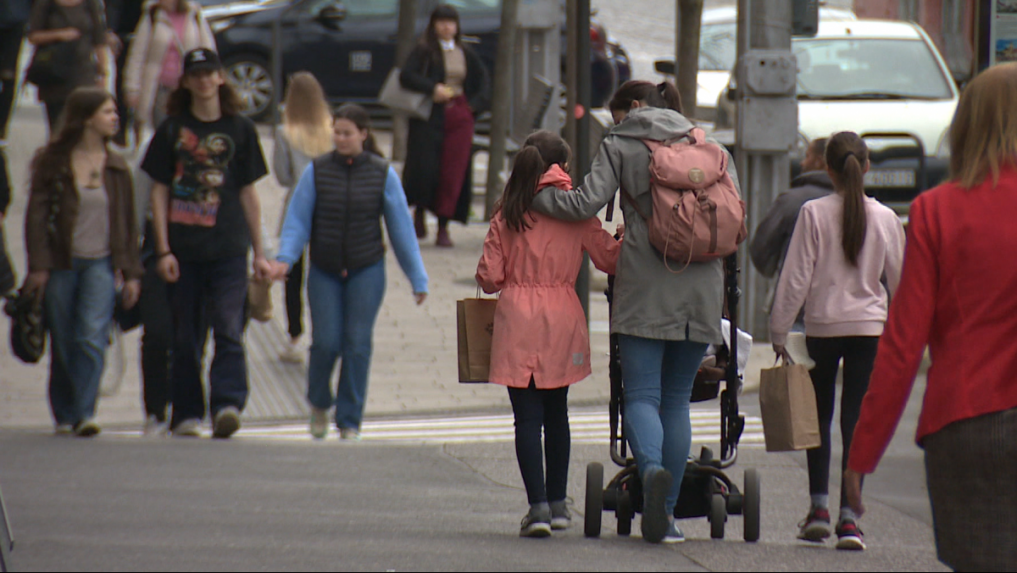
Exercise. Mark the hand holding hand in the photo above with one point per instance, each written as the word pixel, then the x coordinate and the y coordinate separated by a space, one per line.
pixel 420 297
pixel 131 293
pixel 263 270
pixel 280 271
pixel 852 485
pixel 168 268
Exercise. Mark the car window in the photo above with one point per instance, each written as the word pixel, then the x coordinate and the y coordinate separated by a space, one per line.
pixel 872 68
pixel 474 6
pixel 718 47
pixel 358 8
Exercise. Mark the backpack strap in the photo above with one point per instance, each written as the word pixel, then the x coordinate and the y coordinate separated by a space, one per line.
pixel 632 202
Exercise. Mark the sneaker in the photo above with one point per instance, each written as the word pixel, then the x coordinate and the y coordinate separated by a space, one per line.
pixel 319 423
pixel 349 434
pixel 64 430
pixel 87 429
pixel 561 517
pixel 537 523
pixel 655 520
pixel 188 429
pixel 226 423
pixel 816 526
pixel 674 534
pixel 154 428
pixel 292 354
pixel 849 537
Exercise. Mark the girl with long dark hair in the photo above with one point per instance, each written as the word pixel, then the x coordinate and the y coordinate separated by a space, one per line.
pixel 81 234
pixel 337 208
pixel 842 248
pixel 541 344
pixel 437 171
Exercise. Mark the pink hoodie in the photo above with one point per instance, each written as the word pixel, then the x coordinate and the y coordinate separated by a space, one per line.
pixel 539 328
pixel 840 299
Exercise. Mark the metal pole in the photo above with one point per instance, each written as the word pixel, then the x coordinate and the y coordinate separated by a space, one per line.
pixel 583 159
pixel 404 45
pixel 501 102
pixel 276 70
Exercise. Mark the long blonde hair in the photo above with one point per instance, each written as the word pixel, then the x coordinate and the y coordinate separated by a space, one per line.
pixel 983 136
pixel 307 120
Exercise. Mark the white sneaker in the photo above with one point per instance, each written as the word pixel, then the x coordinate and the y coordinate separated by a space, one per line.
pixel 87 429
pixel 188 429
pixel 64 430
pixel 154 428
pixel 292 354
pixel 319 423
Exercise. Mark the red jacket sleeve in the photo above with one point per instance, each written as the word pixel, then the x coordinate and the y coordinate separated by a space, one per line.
pixel 491 269
pixel 603 248
pixel 902 344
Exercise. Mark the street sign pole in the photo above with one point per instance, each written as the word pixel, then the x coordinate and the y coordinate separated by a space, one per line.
pixel 582 152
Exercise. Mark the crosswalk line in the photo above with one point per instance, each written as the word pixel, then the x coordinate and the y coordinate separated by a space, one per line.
pixel 587 427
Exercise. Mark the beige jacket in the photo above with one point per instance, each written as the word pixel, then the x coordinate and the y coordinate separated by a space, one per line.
pixel 153 36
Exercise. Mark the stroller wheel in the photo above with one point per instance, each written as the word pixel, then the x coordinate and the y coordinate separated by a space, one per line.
pixel 750 509
pixel 594 499
pixel 718 516
pixel 625 514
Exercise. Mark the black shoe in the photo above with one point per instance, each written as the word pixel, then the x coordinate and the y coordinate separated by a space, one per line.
pixel 655 521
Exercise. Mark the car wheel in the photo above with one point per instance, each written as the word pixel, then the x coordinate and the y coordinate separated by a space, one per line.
pixel 251 77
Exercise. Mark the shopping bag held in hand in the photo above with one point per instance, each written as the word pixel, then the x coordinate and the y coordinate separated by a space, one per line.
pixel 476 331
pixel 788 403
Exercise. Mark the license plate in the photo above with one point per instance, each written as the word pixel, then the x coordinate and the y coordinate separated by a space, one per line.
pixel 884 178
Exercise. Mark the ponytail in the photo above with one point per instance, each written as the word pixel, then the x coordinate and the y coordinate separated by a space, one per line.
pixel 846 154
pixel 540 151
pixel 663 95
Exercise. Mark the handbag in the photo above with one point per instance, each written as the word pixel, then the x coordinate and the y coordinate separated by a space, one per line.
pixel 52 64
pixel 397 98
pixel 787 402
pixel 28 327
pixel 475 321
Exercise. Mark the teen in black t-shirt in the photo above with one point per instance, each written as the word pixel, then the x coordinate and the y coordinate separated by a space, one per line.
pixel 204 160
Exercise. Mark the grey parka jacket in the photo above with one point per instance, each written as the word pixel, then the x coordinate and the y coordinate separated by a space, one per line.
pixel 650 300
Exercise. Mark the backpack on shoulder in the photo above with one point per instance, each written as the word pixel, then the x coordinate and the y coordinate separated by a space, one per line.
pixel 698 214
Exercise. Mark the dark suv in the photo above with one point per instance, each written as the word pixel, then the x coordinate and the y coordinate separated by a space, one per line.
pixel 349 45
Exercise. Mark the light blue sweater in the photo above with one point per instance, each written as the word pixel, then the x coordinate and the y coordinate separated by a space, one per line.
pixel 296 231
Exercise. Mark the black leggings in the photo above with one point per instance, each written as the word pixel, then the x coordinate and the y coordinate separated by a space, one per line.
pixel 859 354
pixel 548 409
pixel 156 341
pixel 295 298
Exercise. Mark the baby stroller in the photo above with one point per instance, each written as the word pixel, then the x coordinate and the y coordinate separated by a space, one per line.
pixel 706 489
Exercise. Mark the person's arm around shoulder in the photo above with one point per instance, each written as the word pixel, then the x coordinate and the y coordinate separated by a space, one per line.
pixel 404 238
pixel 491 268
pixel 901 348
pixel 585 202
pixel 604 249
pixel 795 279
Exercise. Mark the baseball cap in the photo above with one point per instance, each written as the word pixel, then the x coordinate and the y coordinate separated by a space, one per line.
pixel 201 59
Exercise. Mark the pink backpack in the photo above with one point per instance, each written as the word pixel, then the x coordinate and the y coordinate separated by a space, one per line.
pixel 697 212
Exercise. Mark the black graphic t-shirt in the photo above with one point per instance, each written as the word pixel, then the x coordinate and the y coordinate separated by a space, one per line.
pixel 205 165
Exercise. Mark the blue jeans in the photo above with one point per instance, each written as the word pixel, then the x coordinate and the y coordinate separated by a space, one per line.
pixel 79 311
pixel 208 295
pixel 658 385
pixel 343 313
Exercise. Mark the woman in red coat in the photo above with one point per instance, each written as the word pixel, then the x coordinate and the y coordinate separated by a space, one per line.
pixel 957 296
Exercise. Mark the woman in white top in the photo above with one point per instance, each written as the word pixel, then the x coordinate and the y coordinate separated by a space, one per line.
pixel 306 133
pixel 168 29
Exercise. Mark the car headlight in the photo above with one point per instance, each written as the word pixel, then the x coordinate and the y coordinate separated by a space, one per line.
pixel 220 25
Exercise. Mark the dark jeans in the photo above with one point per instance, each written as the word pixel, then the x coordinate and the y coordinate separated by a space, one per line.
pixel 156 341
pixel 295 298
pixel 548 409
pixel 209 294
pixel 859 354
pixel 10 49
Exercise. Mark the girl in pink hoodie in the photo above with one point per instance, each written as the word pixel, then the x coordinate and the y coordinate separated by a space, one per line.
pixel 541 344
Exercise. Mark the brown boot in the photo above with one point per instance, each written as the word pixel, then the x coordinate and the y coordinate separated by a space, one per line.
pixel 443 239
pixel 420 222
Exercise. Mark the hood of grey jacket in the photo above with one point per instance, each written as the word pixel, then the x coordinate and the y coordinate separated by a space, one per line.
pixel 654 298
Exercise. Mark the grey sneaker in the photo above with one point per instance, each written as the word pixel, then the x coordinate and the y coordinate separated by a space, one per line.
pixel 349 434
pixel 674 533
pixel 319 423
pixel 537 523
pixel 655 520
pixel 87 429
pixel 188 429
pixel 154 428
pixel 64 430
pixel 226 423
pixel 561 517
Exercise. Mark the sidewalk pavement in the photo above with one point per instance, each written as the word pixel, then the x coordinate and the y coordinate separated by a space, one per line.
pixel 415 367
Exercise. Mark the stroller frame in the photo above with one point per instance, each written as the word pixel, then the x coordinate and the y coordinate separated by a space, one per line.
pixel 706 489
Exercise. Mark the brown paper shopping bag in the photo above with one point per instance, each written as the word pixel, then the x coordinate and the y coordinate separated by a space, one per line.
pixel 788 403
pixel 476 330
pixel 259 300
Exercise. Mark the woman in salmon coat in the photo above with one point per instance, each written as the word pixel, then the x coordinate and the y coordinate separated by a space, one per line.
pixel 541 343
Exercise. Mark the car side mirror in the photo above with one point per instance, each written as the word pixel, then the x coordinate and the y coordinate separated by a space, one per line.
pixel 666 67
pixel 332 14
